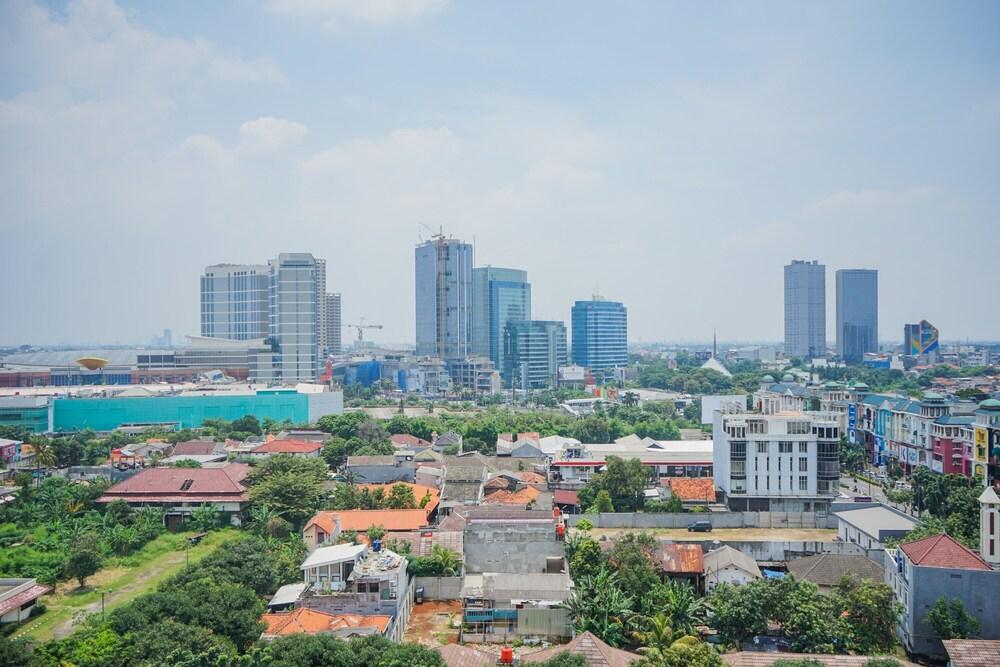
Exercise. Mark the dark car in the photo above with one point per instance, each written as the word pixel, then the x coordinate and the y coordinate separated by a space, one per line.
pixel 700 527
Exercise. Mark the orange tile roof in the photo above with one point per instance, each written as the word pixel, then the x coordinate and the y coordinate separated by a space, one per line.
pixel 310 621
pixel 362 520
pixel 419 491
pixel 505 497
pixel 943 551
pixel 693 488
pixel 530 477
pixel 289 447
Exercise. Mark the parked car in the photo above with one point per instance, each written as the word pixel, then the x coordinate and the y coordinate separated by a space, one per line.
pixel 700 527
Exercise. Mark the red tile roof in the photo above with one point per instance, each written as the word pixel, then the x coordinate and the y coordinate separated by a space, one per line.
pixel 504 497
pixel 692 488
pixel 419 491
pixel 408 440
pixel 223 484
pixel 194 448
pixel 362 520
pixel 973 652
pixel 593 650
pixel 565 497
pixel 23 598
pixel 943 551
pixel 680 558
pixel 310 621
pixel 288 447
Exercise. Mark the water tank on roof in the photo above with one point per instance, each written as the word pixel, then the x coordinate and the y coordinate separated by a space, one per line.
pixel 376 545
pixel 506 655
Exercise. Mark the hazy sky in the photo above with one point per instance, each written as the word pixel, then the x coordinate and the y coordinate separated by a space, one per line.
pixel 673 156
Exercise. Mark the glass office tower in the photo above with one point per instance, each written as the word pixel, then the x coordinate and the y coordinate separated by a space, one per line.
pixel 443 284
pixel 857 313
pixel 499 296
pixel 600 334
pixel 805 309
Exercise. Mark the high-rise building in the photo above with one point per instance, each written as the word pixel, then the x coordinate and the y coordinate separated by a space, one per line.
pixel 499 296
pixel 857 313
pixel 920 339
pixel 330 326
pixel 234 301
pixel 600 334
pixel 805 309
pixel 533 352
pixel 444 298
pixel 296 294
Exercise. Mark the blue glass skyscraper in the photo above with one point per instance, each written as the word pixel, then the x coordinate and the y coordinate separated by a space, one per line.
pixel 600 334
pixel 857 313
pixel 500 296
pixel 443 298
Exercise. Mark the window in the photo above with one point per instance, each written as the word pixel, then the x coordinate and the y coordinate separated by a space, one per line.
pixel 803 447
pixel 803 465
pixel 785 447
pixel 803 483
pixel 738 449
pixel 761 447
pixel 798 428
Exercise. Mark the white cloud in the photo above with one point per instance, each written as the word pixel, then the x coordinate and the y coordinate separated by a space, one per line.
pixel 368 11
pixel 870 198
pixel 400 149
pixel 269 133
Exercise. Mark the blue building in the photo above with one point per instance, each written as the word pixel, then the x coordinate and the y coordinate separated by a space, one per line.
pixel 443 284
pixel 600 334
pixel 857 313
pixel 534 351
pixel 499 296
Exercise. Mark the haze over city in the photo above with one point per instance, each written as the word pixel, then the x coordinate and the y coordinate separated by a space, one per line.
pixel 668 158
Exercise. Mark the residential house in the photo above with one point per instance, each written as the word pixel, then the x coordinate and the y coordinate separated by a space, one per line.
pixel 681 562
pixel 870 527
pixel 502 538
pixel 10 452
pixel 972 652
pixel 197 448
pixel 426 497
pixel 429 476
pixel 575 464
pixel 178 491
pixel 358 579
pixel 567 500
pixel 827 570
pixel 407 441
pixel 727 565
pixel 592 649
pixel 326 526
pixel 762 659
pixel 398 467
pixel 463 483
pixel 446 440
pixel 313 622
pixel 309 435
pixel 18 598
pixel 300 448
pixel 523 446
pixel 693 491
pixel 456 655
pixel 496 606
pixel 923 571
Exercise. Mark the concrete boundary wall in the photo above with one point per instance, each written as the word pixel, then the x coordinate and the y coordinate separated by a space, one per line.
pixel 440 588
pixel 640 520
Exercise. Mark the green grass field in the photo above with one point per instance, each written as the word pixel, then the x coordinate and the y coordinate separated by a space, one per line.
pixel 121 580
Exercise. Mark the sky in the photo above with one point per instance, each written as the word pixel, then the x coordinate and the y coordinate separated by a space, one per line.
pixel 673 156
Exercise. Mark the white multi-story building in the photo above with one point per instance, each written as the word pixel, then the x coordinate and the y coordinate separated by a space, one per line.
pixel 234 301
pixel 780 462
pixel 296 291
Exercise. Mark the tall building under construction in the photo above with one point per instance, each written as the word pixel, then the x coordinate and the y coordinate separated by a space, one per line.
pixel 444 297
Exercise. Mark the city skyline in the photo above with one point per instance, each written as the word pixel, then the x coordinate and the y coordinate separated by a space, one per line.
pixel 704 147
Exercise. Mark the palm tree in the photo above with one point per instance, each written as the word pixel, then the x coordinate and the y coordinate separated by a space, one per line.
pixel 45 454
pixel 261 515
pixel 448 560
pixel 657 638
pixel 684 608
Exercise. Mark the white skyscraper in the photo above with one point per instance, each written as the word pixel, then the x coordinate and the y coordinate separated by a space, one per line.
pixel 805 309
pixel 296 282
pixel 234 301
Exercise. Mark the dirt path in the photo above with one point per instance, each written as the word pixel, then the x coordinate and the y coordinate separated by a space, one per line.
pixel 69 605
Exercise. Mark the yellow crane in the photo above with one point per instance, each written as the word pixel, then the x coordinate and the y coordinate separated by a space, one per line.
pixel 361 329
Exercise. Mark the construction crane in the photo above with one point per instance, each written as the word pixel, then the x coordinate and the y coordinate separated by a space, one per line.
pixel 361 329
